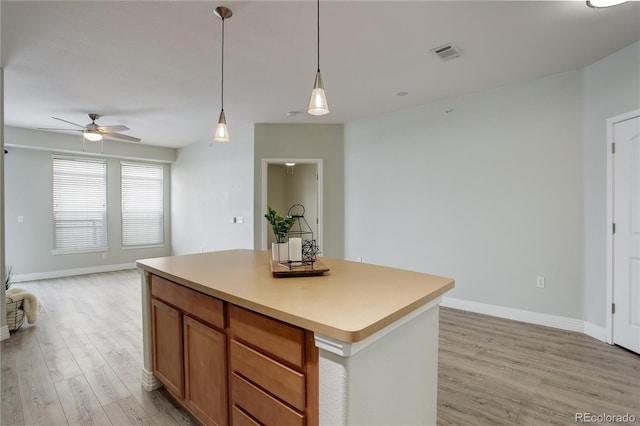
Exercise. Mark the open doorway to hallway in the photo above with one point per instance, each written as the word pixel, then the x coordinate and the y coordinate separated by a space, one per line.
pixel 286 182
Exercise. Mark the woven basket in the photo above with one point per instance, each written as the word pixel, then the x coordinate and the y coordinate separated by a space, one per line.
pixel 15 313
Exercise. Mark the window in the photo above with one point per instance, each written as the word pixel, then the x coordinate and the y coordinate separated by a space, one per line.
pixel 79 204
pixel 142 204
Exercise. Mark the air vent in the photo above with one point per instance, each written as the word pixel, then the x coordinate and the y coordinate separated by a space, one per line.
pixel 447 51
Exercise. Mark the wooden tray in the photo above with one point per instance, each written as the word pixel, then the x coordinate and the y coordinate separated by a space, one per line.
pixel 282 271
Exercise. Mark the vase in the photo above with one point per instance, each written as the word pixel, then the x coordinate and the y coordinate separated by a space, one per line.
pixel 280 252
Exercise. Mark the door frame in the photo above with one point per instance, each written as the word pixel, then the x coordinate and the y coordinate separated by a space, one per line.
pixel 264 194
pixel 610 189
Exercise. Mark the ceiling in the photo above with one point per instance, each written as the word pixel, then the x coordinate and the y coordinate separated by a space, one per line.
pixel 154 66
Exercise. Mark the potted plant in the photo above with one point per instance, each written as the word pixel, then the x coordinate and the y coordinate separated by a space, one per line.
pixel 281 226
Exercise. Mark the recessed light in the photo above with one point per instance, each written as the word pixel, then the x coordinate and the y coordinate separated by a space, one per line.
pixel 402 93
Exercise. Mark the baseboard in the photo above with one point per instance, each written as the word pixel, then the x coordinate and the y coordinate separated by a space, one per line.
pixel 516 314
pixel 17 278
pixel 4 333
pixel 595 331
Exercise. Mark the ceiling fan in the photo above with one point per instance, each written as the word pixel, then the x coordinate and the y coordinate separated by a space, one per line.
pixel 94 132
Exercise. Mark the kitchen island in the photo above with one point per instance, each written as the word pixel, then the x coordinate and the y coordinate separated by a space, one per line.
pixel 234 345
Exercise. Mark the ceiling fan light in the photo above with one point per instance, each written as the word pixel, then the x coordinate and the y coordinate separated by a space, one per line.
pixel 92 136
pixel 597 4
pixel 318 104
pixel 222 132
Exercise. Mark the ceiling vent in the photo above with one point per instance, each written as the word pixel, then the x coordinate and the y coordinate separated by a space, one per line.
pixel 447 51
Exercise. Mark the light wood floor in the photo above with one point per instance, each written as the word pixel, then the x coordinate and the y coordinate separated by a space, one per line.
pixel 499 372
pixel 81 364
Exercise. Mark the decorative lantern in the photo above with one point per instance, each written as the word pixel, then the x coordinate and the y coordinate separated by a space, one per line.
pixel 303 249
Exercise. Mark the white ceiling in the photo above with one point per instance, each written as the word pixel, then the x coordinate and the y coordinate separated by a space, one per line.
pixel 154 66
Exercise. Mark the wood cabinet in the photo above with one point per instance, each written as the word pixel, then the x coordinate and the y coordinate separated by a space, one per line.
pixel 229 365
pixel 205 357
pixel 167 347
pixel 273 371
pixel 189 353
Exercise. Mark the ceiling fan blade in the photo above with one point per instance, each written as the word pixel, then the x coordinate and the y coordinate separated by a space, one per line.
pixel 75 124
pixel 123 137
pixel 107 129
pixel 62 130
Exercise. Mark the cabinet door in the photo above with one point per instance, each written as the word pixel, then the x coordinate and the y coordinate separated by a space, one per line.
pixel 167 347
pixel 205 372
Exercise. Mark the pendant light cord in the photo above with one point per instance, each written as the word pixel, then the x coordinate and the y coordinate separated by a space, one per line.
pixel 222 89
pixel 318 35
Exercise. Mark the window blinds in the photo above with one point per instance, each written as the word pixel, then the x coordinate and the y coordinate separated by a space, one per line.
pixel 79 204
pixel 142 204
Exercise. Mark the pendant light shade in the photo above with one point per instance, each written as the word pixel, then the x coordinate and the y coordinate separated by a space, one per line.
pixel 318 104
pixel 222 132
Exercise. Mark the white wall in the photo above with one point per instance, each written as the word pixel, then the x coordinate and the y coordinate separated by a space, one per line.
pixel 211 184
pixel 28 190
pixel 490 194
pixel 306 141
pixel 611 88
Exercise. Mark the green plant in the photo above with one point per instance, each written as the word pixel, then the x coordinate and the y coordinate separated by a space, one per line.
pixel 279 224
pixel 8 274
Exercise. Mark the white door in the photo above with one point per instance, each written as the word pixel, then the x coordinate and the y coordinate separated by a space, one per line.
pixel 626 239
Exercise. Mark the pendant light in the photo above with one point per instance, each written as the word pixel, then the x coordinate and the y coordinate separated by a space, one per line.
pixel 318 104
pixel 222 132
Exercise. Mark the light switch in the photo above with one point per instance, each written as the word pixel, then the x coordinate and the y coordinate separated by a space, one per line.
pixel 20 219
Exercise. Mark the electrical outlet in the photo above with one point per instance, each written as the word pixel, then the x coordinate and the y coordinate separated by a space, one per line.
pixel 104 256
pixel 359 259
pixel 540 282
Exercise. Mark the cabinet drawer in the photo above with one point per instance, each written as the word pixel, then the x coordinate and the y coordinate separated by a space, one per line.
pixel 206 308
pixel 240 418
pixel 279 380
pixel 282 341
pixel 262 406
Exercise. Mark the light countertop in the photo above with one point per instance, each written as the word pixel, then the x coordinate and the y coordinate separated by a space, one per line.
pixel 349 303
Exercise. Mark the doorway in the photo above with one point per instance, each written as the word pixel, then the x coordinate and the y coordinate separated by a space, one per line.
pixel 289 181
pixel 623 249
